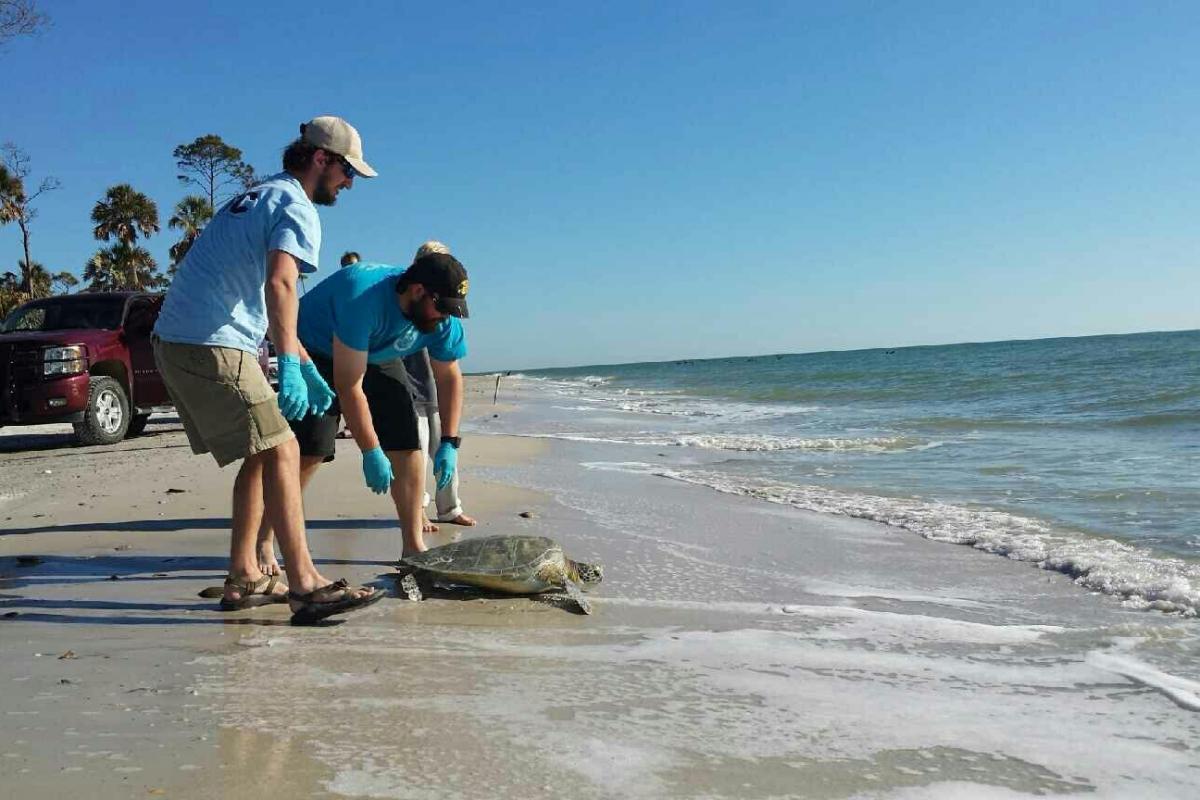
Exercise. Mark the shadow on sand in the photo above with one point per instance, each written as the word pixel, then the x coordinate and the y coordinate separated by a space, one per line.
pixel 37 571
pixel 127 619
pixel 191 523
pixel 40 442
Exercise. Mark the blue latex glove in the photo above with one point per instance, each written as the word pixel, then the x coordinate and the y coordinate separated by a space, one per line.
pixel 445 461
pixel 293 393
pixel 377 470
pixel 320 396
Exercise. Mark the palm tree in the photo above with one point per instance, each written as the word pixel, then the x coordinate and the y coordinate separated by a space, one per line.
pixel 123 213
pixel 38 278
pixel 192 213
pixel 16 203
pixel 122 266
pixel 101 271
pixel 12 203
pixel 11 295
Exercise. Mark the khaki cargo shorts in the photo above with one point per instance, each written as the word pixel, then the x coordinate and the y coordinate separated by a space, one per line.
pixel 223 398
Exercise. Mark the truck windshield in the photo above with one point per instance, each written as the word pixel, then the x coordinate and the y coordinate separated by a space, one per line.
pixel 57 315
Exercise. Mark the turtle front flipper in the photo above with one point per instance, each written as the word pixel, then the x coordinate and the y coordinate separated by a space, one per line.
pixel 410 587
pixel 572 590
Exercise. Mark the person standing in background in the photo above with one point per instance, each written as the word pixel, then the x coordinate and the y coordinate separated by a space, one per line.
pixel 349 258
pixel 424 391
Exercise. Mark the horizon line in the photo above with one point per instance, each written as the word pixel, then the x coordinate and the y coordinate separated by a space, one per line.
pixel 843 350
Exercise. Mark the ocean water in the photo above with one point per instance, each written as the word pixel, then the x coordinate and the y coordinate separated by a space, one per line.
pixel 1080 455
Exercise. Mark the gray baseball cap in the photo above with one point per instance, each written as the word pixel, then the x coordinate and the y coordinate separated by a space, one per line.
pixel 337 136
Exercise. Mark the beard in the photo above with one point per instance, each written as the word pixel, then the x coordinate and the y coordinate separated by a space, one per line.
pixel 323 195
pixel 427 324
pixel 423 322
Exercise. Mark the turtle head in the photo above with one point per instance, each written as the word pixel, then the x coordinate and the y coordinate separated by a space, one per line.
pixel 587 574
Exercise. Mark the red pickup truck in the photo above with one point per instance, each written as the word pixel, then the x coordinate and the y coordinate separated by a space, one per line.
pixel 86 359
pixel 83 358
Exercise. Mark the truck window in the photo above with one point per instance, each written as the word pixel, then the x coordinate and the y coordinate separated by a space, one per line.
pixel 64 314
pixel 140 319
pixel 31 320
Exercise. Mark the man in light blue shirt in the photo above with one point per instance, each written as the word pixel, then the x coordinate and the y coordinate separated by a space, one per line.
pixel 357 325
pixel 218 298
pixel 237 282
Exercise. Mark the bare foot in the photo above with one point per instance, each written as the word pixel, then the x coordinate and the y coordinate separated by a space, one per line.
pixel 427 526
pixel 461 519
pixel 266 558
pixel 412 551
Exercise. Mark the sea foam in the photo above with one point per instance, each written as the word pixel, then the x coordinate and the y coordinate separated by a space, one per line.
pixel 1140 578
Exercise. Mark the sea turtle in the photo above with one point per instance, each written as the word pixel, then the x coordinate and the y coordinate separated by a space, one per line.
pixel 508 564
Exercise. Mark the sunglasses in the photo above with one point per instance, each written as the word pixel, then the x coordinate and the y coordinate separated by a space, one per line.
pixel 351 172
pixel 438 304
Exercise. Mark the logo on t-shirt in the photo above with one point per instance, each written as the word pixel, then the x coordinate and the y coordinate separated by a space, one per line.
pixel 243 203
pixel 406 342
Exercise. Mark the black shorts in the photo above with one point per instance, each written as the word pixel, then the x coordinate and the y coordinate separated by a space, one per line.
pixel 388 397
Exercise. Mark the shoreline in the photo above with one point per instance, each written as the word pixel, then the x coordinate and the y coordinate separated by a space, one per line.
pixel 811 458
pixel 739 649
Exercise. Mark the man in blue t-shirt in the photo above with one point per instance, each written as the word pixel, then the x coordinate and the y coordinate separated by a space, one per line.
pixel 357 325
pixel 237 281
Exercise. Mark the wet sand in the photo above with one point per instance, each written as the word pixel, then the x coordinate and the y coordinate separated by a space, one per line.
pixel 106 644
pixel 738 649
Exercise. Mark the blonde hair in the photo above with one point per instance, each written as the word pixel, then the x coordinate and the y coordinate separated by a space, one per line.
pixel 431 247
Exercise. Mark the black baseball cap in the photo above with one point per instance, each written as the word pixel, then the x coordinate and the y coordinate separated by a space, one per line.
pixel 446 277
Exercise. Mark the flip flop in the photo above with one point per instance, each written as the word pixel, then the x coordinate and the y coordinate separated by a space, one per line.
pixel 341 599
pixel 253 593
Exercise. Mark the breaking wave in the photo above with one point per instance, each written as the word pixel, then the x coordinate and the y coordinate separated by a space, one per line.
pixel 751 443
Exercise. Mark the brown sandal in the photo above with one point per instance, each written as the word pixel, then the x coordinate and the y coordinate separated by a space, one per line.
pixel 253 593
pixel 337 598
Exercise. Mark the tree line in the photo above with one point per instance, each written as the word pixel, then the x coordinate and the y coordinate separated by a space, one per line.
pixel 122 218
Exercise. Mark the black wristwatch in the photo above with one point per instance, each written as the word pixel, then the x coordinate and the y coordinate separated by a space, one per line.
pixel 453 441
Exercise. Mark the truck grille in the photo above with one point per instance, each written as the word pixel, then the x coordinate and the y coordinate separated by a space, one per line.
pixel 5 380
pixel 18 365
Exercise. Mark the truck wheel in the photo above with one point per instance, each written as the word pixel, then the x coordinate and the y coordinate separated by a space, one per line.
pixel 106 417
pixel 137 425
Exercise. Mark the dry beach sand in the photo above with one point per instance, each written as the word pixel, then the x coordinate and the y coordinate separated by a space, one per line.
pixel 738 650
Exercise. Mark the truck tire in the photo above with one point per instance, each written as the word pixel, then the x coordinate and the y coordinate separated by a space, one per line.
pixel 106 418
pixel 137 425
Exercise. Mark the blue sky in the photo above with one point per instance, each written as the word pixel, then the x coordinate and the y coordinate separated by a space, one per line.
pixel 644 181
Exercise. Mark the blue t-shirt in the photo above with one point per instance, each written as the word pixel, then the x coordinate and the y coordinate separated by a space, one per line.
pixel 217 297
pixel 360 305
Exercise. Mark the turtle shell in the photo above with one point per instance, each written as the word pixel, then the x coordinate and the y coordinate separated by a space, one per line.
pixel 515 564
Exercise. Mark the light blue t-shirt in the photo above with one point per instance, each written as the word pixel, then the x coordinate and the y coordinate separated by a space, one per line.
pixel 217 297
pixel 359 304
